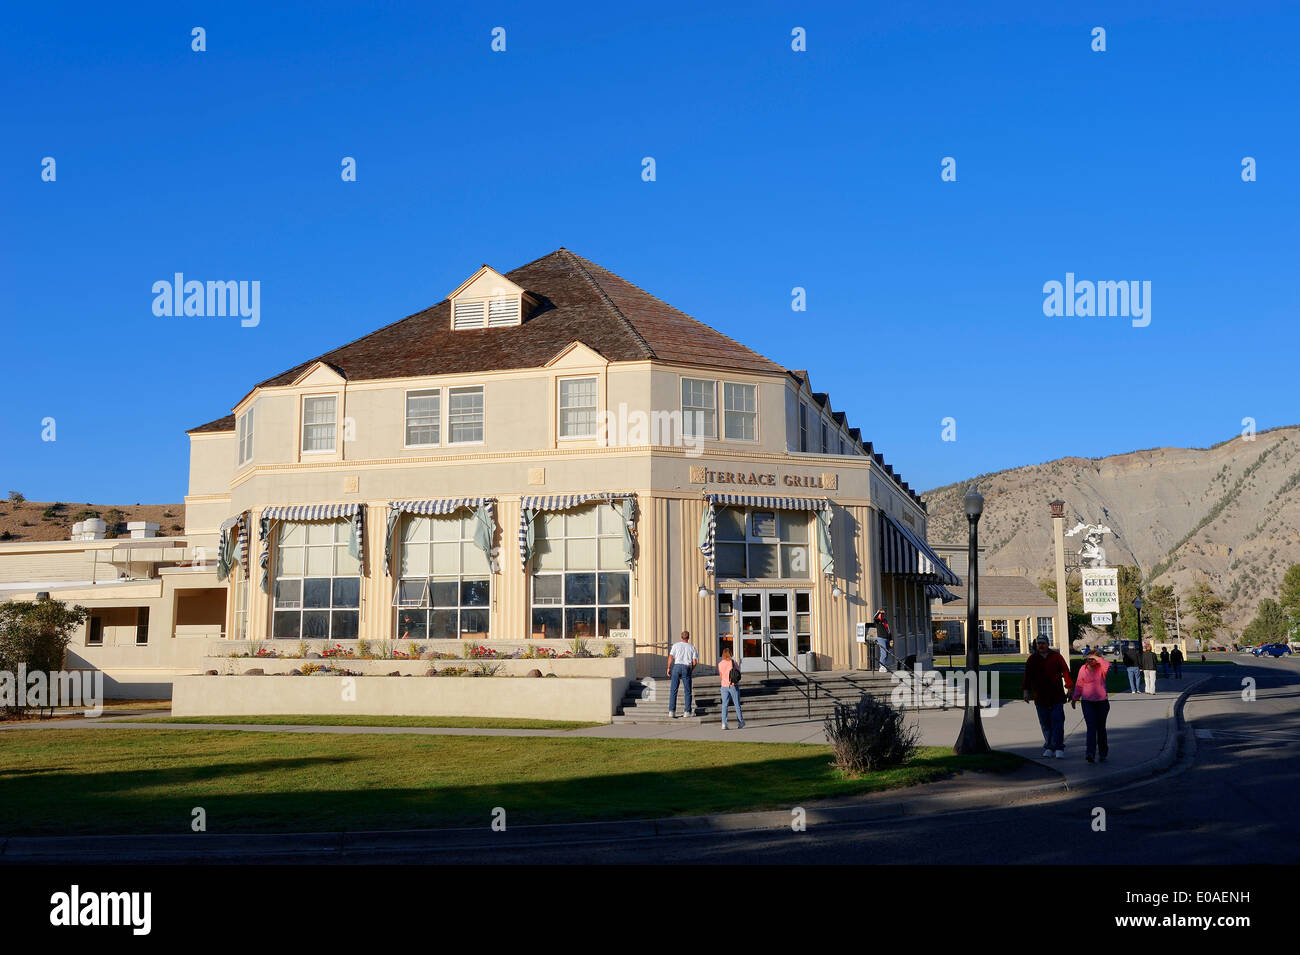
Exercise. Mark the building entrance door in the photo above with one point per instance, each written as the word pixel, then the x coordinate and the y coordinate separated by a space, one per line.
pixel 758 626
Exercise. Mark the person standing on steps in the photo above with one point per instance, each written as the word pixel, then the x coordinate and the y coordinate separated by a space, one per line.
pixel 681 664
pixel 1132 667
pixel 1147 662
pixel 883 639
pixel 729 677
pixel 1176 658
pixel 1090 688
pixel 1045 684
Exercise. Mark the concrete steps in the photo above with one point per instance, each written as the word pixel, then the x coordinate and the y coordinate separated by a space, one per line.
pixel 762 701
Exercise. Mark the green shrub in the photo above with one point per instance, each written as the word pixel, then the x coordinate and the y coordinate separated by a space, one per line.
pixel 36 633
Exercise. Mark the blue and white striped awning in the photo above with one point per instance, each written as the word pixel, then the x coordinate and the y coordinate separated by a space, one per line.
pixel 484 530
pixel 444 505
pixel 940 592
pixel 775 503
pixel 310 512
pixel 232 543
pixel 531 506
pixel 903 552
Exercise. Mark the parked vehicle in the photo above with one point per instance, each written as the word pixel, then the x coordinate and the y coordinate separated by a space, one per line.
pixel 1274 650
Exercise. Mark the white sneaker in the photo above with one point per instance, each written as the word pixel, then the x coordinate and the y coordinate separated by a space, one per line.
pixel 1047 753
pixel 1060 754
pixel 725 726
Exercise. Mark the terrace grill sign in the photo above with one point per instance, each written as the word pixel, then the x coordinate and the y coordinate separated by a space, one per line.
pixel 1100 590
pixel 825 481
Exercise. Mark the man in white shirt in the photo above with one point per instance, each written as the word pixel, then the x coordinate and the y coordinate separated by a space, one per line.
pixel 681 663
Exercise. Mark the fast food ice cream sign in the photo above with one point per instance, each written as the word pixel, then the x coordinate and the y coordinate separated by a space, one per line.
pixel 1100 590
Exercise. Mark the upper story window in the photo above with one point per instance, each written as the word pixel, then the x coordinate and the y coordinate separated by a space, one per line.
pixel 740 411
pixel 465 414
pixel 826 439
pixel 577 407
pixel 699 408
pixel 755 544
pixel 803 426
pixel 244 437
pixel 319 423
pixel 423 417
pixel 487 299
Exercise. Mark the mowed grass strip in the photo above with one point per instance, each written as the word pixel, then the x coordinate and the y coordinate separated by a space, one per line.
pixel 433 722
pixel 149 781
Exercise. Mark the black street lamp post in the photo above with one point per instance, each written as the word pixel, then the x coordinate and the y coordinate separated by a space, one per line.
pixel 971 740
pixel 1137 604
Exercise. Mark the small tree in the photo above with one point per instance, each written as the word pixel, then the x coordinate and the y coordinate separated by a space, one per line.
pixel 16 497
pixel 36 633
pixel 1269 625
pixel 1207 609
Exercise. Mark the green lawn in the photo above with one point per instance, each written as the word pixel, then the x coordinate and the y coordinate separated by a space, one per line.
pixel 106 781
pixel 436 722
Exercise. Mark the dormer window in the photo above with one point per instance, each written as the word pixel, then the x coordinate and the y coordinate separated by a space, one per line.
pixel 488 300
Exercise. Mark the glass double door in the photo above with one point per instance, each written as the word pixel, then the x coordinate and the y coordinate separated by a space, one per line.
pixel 754 622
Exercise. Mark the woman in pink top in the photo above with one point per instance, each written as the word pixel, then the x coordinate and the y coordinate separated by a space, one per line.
pixel 1090 687
pixel 728 674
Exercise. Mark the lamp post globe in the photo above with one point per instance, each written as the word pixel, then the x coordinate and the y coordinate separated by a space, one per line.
pixel 971 739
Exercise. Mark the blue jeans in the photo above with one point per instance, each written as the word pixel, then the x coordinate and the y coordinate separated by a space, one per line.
pixel 1094 714
pixel 1051 719
pixel 681 673
pixel 731 693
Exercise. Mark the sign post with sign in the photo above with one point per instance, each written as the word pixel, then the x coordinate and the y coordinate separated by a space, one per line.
pixel 1102 620
pixel 1100 590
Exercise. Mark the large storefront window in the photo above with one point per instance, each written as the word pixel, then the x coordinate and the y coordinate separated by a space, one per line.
pixel 444 590
pixel 581 585
pixel 317 583
pixel 762 545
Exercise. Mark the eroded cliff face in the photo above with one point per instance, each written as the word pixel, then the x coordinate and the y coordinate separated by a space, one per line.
pixel 1230 513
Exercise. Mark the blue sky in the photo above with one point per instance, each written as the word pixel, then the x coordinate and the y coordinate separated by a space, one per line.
pixel 775 169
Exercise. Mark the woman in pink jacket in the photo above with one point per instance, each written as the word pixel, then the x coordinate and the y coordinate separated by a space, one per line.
pixel 1090 687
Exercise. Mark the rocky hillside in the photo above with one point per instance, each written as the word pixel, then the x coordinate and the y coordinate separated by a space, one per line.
pixel 1230 512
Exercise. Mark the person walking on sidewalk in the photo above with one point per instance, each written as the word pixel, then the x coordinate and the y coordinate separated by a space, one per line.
pixel 681 664
pixel 1147 661
pixel 1046 681
pixel 729 675
pixel 1176 658
pixel 1164 661
pixel 1132 668
pixel 1090 688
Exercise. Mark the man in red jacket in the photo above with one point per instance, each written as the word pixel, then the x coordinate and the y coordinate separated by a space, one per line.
pixel 1046 683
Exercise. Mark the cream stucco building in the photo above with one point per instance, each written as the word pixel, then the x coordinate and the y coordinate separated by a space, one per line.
pixel 550 451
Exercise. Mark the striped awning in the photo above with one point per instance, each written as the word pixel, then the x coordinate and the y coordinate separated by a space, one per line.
pixel 904 553
pixel 940 592
pixel 531 506
pixel 820 506
pixel 310 512
pixel 232 543
pixel 295 513
pixel 484 531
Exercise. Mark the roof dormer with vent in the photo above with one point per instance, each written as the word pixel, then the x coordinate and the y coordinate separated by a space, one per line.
pixel 487 299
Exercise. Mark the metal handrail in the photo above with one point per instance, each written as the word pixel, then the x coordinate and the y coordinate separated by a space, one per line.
pixel 808 695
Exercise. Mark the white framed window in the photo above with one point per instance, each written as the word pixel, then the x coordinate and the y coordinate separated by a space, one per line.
pixel 444 589
pixel 465 414
pixel 423 417
pixel 1045 628
pixel 244 436
pixel 762 545
pixel 581 585
pixel 578 398
pixel 826 439
pixel 699 408
pixel 319 423
pixel 317 583
pixel 740 411
pixel 803 426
